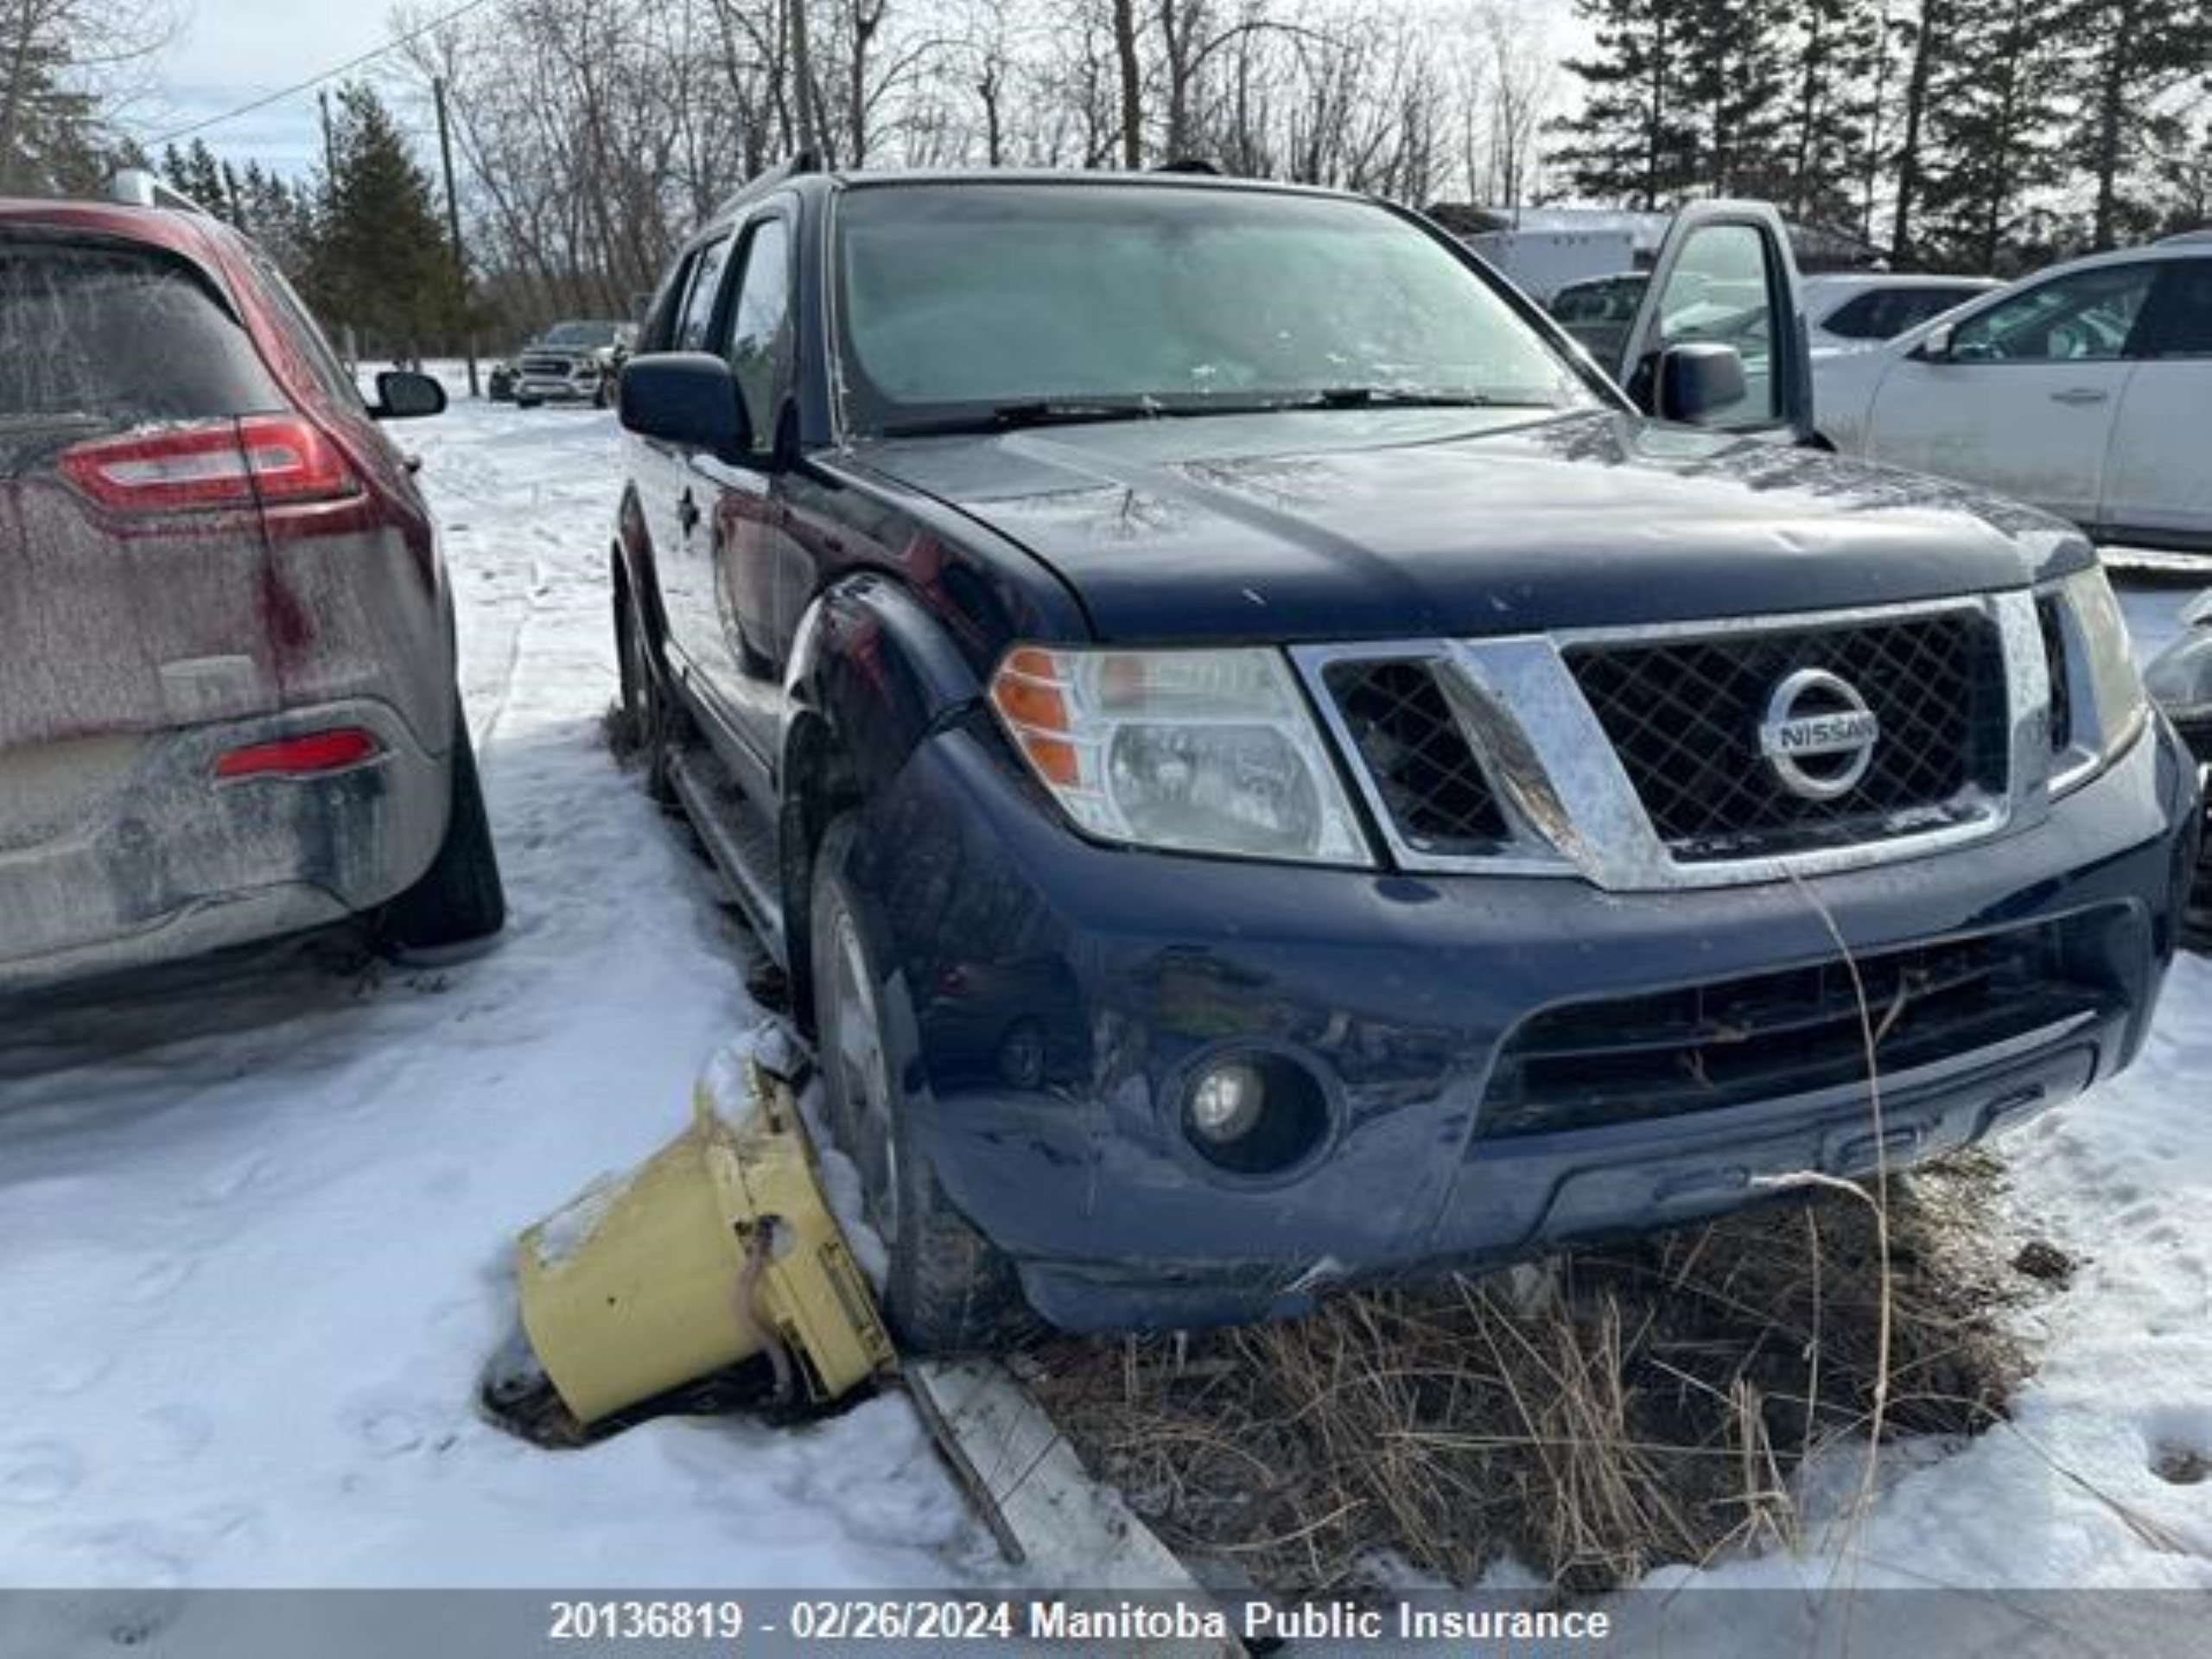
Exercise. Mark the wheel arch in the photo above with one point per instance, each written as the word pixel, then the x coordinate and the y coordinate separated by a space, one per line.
pixel 873 673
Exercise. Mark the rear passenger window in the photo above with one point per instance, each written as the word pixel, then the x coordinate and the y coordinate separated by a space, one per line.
pixel 695 328
pixel 2183 326
pixel 1858 319
pixel 106 337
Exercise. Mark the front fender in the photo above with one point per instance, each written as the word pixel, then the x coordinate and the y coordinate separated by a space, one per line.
pixel 876 668
pixel 872 673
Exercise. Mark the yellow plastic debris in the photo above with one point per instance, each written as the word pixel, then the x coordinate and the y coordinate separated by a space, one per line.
pixel 719 1248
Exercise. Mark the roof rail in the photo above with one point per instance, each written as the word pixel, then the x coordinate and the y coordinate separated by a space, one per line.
pixel 805 160
pixel 2187 236
pixel 139 187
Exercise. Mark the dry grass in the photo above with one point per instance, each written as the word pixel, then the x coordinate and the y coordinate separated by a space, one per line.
pixel 1648 1404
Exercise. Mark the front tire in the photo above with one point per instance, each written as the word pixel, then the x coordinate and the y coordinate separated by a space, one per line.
pixel 460 899
pixel 949 1290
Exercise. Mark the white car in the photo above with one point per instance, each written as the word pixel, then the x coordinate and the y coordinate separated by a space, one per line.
pixel 2085 389
pixel 1853 313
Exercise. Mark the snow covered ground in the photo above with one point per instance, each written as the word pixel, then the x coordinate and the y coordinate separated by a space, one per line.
pixel 254 1225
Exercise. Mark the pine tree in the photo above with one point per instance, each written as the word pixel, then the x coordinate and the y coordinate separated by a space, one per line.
pixel 278 216
pixel 52 141
pixel 195 171
pixel 1731 74
pixel 1635 140
pixel 2130 55
pixel 380 260
pixel 1993 115
pixel 1839 59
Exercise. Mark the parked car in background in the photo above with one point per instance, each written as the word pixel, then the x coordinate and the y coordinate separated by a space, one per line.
pixel 1599 312
pixel 1266 770
pixel 570 362
pixel 227 697
pixel 2085 389
pixel 2180 678
pixel 1849 312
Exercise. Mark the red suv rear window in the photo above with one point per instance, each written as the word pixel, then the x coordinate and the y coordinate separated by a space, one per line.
pixel 97 338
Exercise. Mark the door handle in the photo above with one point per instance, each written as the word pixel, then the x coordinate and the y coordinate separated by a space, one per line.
pixel 2079 395
pixel 687 512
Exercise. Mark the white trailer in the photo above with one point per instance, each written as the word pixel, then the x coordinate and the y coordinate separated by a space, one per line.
pixel 1540 262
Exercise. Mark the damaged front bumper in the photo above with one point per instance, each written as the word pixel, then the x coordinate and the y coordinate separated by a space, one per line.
pixel 1503 1064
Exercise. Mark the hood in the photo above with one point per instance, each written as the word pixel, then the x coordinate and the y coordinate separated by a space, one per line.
pixel 1400 523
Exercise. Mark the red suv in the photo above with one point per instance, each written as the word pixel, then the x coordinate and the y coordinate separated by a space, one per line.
pixel 227 697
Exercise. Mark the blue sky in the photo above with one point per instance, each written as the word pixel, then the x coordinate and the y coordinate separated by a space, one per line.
pixel 229 52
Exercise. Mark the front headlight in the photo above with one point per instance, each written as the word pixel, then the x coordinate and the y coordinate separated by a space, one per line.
pixel 2103 695
pixel 1193 751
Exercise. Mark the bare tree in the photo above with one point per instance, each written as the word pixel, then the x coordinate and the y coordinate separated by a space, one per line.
pixel 67 68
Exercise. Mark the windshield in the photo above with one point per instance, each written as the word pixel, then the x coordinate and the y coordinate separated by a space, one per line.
pixel 964 302
pixel 583 333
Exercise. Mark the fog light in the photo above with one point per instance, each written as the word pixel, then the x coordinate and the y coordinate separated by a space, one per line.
pixel 1226 1102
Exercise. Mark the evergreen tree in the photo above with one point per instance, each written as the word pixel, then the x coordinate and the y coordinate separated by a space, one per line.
pixel 1731 74
pixel 1835 85
pixel 1994 115
pixel 1722 97
pixel 52 141
pixel 195 171
pixel 278 216
pixel 2131 55
pixel 380 260
pixel 2181 187
pixel 1636 140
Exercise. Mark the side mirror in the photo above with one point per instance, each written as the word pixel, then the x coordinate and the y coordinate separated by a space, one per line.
pixel 1936 348
pixel 403 395
pixel 686 398
pixel 1698 380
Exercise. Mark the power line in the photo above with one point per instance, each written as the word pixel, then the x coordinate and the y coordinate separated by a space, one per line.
pixel 313 81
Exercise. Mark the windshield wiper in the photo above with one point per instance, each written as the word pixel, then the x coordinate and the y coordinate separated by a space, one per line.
pixel 1076 412
pixel 1411 398
pixel 1018 416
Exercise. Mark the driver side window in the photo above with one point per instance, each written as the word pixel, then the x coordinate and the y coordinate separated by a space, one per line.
pixel 1717 292
pixel 756 327
pixel 2086 316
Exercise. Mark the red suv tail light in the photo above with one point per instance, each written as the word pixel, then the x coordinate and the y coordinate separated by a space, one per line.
pixel 273 460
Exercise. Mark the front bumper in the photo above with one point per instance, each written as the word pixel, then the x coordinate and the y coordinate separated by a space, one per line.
pixel 580 381
pixel 170 862
pixel 1053 997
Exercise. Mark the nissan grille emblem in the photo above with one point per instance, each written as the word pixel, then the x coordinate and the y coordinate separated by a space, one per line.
pixel 1818 736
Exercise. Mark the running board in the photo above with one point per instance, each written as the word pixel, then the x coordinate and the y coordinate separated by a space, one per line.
pixel 740 840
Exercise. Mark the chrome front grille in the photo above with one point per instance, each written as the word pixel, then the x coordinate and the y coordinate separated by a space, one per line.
pixel 1633 757
pixel 548 368
pixel 1413 746
pixel 1684 716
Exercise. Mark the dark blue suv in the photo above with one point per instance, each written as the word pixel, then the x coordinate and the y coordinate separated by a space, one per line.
pixel 1266 769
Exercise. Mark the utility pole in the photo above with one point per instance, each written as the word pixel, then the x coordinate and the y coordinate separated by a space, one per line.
pixel 453 229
